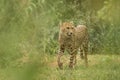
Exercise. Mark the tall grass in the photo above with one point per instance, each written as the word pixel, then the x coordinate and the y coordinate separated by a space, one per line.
pixel 29 31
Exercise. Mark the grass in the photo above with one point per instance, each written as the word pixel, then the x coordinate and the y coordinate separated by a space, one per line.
pixel 101 67
pixel 29 29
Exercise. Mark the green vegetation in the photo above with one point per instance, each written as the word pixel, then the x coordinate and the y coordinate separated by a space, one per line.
pixel 101 67
pixel 29 31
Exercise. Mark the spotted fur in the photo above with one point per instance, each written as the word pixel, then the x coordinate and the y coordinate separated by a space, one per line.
pixel 72 39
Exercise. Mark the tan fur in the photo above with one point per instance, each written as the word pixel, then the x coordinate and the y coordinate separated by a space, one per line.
pixel 72 39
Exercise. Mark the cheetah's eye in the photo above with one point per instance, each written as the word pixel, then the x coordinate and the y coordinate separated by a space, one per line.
pixel 67 27
pixel 72 28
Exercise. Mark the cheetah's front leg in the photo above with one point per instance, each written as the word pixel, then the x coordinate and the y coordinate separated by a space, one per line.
pixel 72 58
pixel 60 53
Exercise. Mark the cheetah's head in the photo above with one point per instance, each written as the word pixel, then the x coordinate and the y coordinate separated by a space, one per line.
pixel 67 29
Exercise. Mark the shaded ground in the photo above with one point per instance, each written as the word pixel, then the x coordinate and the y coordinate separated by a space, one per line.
pixel 101 67
pixel 92 60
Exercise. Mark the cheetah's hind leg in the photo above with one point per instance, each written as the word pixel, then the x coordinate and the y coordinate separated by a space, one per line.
pixel 81 52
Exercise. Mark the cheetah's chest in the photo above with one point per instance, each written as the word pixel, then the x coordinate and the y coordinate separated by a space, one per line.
pixel 69 45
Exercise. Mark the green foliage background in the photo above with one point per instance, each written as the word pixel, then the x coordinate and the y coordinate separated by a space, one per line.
pixel 29 28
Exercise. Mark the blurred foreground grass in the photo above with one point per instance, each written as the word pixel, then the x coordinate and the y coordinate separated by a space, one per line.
pixel 101 67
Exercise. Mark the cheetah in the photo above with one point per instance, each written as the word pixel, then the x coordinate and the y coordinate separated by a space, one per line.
pixel 72 39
